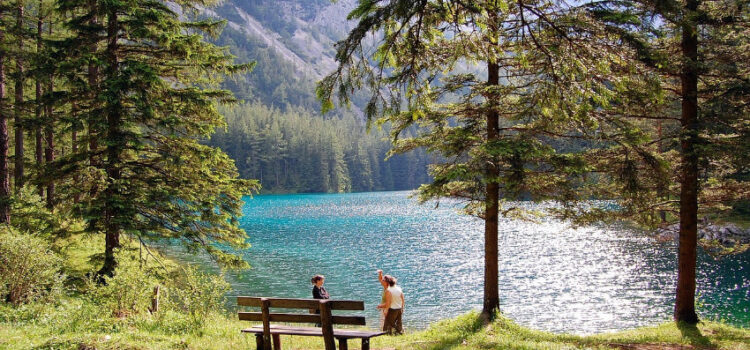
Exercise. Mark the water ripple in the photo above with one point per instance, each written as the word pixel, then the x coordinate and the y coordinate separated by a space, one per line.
pixel 552 277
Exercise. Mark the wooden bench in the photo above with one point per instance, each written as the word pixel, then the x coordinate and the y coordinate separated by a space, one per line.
pixel 265 332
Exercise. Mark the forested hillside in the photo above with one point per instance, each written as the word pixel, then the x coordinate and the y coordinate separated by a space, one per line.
pixel 280 138
pixel 295 151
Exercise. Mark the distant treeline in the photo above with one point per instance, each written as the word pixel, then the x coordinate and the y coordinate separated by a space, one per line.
pixel 295 151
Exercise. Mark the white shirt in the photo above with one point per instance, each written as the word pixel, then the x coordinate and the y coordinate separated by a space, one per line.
pixel 396 295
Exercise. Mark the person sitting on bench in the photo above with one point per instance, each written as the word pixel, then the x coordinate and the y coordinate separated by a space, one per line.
pixel 318 291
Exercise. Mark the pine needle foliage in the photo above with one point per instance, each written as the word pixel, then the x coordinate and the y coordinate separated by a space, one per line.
pixel 516 97
pixel 150 104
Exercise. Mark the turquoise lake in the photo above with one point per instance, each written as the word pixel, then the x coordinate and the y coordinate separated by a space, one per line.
pixel 552 277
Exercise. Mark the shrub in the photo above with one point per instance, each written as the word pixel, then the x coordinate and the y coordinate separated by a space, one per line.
pixel 29 269
pixel 30 214
pixel 128 292
pixel 197 293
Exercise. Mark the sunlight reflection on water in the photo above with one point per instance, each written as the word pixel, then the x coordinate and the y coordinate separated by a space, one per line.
pixel 552 277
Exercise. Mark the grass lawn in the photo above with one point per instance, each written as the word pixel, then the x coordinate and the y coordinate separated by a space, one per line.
pixel 464 332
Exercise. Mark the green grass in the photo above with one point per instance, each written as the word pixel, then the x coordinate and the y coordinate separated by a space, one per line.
pixel 67 327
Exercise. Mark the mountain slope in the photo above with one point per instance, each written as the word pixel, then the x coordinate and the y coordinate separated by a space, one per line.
pixel 279 137
pixel 292 42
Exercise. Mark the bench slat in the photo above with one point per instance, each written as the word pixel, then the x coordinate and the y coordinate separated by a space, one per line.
pixel 314 332
pixel 257 316
pixel 290 303
pixel 301 318
pixel 280 302
pixel 347 305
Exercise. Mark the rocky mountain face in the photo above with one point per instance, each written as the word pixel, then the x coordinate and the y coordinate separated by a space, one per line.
pixel 292 42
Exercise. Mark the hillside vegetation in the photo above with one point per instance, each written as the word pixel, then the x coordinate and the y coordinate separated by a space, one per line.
pixel 294 151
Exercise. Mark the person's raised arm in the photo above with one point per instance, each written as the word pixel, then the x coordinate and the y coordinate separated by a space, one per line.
pixel 381 280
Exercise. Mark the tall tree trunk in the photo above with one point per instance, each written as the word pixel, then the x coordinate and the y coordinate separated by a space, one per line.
pixel 113 150
pixel 74 151
pixel 49 150
pixel 18 125
pixel 662 190
pixel 93 80
pixel 4 140
pixel 684 309
pixel 39 140
pixel 49 135
pixel 491 271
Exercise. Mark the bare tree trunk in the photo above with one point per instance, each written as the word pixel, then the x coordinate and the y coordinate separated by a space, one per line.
pixel 39 140
pixel 4 141
pixel 684 309
pixel 18 124
pixel 93 80
pixel 662 190
pixel 74 150
pixel 113 150
pixel 49 151
pixel 491 271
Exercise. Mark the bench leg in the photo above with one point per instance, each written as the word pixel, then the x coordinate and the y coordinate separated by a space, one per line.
pixel 276 342
pixel 259 341
pixel 365 343
pixel 342 344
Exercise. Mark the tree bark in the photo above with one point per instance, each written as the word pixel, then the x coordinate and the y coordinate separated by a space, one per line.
pixel 74 150
pixel 18 121
pixel 49 151
pixel 39 139
pixel 113 150
pixel 4 141
pixel 684 310
pixel 49 135
pixel 93 81
pixel 491 272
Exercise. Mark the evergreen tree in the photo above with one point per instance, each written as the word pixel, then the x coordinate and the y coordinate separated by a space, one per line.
pixel 699 50
pixel 149 107
pixel 297 151
pixel 20 79
pixel 4 113
pixel 535 77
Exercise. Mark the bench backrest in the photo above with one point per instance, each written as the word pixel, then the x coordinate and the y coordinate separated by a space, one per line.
pixel 325 318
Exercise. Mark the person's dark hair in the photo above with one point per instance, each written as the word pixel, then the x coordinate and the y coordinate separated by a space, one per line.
pixel 316 278
pixel 390 280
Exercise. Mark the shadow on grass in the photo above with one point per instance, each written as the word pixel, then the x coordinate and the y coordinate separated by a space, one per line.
pixel 453 333
pixel 694 336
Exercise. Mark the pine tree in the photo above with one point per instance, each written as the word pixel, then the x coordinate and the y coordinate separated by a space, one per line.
pixel 699 50
pixel 492 86
pixel 20 79
pixel 4 113
pixel 150 106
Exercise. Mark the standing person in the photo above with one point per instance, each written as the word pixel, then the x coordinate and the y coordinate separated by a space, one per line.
pixel 382 298
pixel 318 291
pixel 394 306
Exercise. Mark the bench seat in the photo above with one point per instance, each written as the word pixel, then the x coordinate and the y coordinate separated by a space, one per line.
pixel 341 334
pixel 268 336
